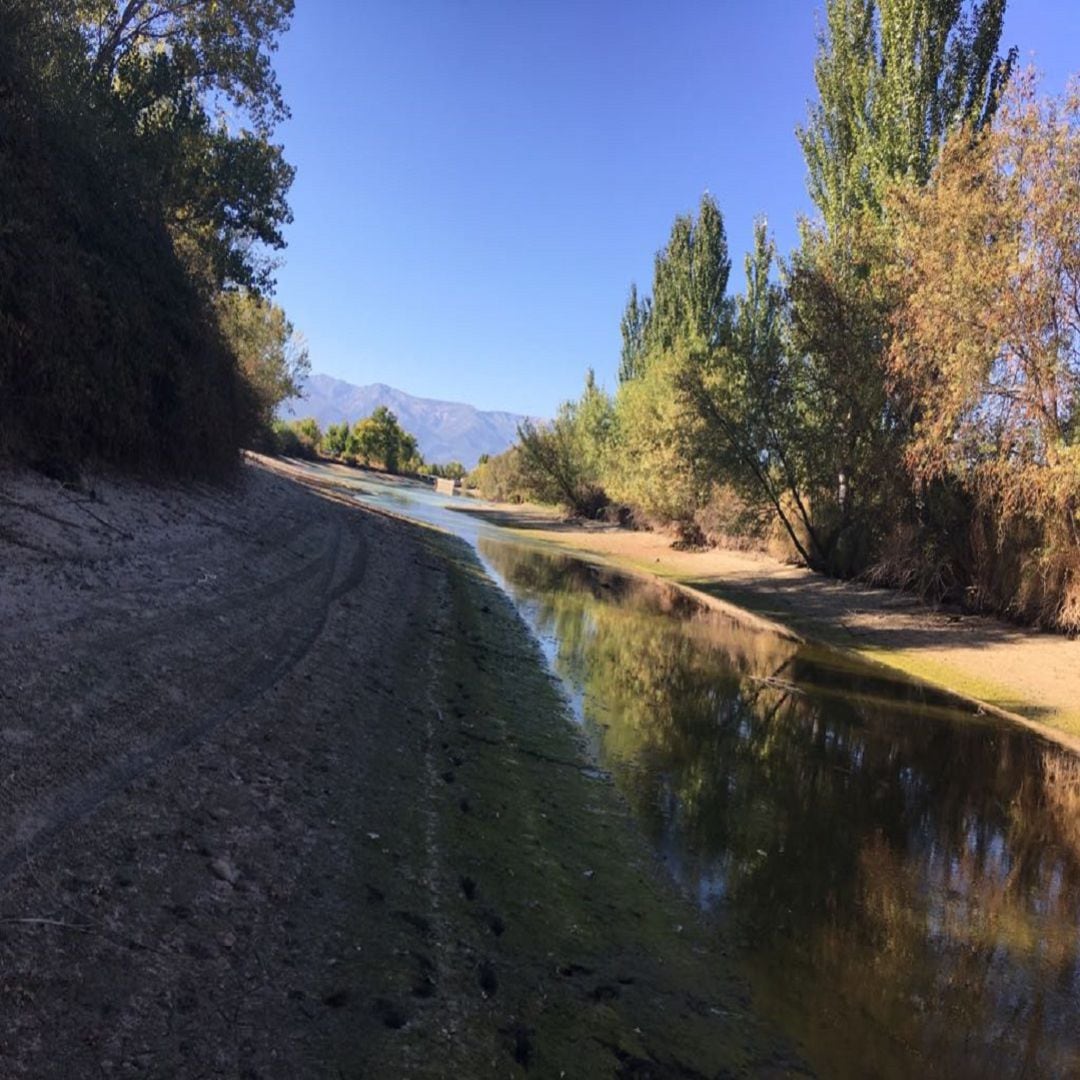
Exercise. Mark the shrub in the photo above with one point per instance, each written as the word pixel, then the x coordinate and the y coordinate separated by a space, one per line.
pixel 296 438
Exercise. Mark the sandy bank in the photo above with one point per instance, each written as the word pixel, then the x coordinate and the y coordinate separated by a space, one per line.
pixel 1032 676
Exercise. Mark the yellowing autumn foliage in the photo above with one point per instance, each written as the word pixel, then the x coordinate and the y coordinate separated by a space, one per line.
pixel 985 353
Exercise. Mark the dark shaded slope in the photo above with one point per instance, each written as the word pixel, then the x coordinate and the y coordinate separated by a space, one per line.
pixel 107 350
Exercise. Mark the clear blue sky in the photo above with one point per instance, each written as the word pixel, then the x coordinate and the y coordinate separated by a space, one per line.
pixel 480 180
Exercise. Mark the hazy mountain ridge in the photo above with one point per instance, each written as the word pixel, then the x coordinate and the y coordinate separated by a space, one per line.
pixel 445 430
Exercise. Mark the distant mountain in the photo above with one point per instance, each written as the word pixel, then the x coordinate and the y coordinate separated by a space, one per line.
pixel 445 431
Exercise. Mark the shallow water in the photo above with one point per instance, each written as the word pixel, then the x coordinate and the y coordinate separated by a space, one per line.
pixel 900 876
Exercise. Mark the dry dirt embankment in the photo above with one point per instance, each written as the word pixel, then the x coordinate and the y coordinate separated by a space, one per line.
pixel 286 792
pixel 1034 677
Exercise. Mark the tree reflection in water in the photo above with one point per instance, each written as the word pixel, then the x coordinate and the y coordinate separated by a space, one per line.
pixel 903 876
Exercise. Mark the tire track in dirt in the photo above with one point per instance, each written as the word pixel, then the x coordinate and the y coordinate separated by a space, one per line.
pixel 333 835
pixel 126 724
pixel 173 970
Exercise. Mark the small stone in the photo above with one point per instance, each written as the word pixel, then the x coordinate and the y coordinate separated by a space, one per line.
pixel 225 869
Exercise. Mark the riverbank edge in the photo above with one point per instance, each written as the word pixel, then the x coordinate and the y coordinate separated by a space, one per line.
pixel 1063 730
pixel 590 961
pixel 640 939
pixel 754 611
pixel 392 853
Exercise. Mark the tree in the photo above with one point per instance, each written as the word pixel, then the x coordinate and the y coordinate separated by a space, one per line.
pixel 381 438
pixel 308 429
pixel 893 78
pixel 272 358
pixel 107 352
pixel 409 457
pixel 168 67
pixel 296 438
pixel 654 461
pixel 838 319
pixel 335 441
pixel 656 464
pixel 501 477
pixel 689 297
pixel 986 354
pixel 452 470
pixel 750 407
pixel 690 277
pixel 594 422
pixel 563 462
pixel 224 48
pixel 634 322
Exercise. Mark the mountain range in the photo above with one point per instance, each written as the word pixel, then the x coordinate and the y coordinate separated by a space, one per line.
pixel 445 430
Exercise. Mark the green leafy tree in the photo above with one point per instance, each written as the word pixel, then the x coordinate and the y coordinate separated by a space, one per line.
pixel 335 441
pixel 841 304
pixel 594 422
pixel 452 470
pixel 272 358
pixel 690 277
pixel 167 67
pixel 656 464
pixel 308 429
pixel 226 47
pixel 766 420
pixel 296 438
pixel 501 477
pixel 563 462
pixel 689 295
pixel 690 280
pixel 135 372
pixel 893 78
pixel 749 403
pixel 654 457
pixel 409 458
pixel 634 322
pixel 380 438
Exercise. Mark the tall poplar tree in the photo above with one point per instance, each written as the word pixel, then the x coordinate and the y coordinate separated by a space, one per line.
pixel 893 77
pixel 690 278
pixel 689 296
pixel 682 326
pixel 634 321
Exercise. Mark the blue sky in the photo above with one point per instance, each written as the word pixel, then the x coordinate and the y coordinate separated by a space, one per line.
pixel 480 180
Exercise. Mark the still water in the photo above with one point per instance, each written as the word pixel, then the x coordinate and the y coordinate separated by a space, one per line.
pixel 900 876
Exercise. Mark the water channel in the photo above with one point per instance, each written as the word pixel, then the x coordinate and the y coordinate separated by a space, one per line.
pixel 899 874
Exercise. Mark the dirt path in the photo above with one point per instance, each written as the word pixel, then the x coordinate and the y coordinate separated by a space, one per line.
pixel 286 792
pixel 1031 675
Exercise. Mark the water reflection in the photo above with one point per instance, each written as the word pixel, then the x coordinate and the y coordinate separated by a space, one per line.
pixel 904 877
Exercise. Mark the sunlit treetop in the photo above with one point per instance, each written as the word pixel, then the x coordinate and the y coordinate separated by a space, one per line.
pixel 893 77
pixel 224 48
